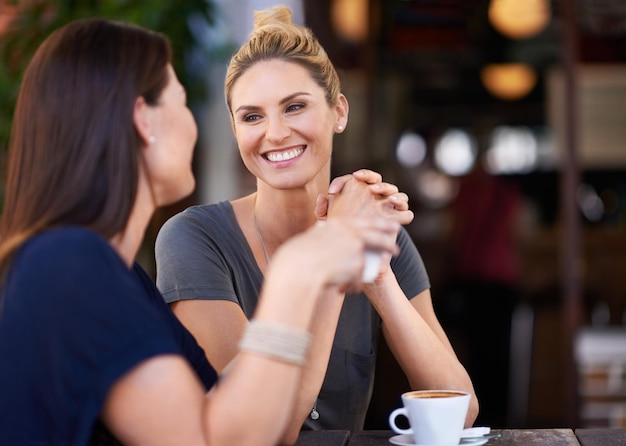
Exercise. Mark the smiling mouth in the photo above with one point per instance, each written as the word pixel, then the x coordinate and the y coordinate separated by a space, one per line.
pixel 284 156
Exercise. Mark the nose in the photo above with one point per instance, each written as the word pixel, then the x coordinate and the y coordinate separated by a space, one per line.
pixel 277 129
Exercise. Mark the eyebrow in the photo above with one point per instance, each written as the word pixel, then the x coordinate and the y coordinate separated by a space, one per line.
pixel 282 101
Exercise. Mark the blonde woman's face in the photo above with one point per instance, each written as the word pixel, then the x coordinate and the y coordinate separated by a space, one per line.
pixel 283 123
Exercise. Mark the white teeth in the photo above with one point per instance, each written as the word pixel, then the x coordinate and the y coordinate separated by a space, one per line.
pixel 284 156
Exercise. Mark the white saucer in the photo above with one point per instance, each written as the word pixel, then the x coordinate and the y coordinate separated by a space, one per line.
pixel 407 440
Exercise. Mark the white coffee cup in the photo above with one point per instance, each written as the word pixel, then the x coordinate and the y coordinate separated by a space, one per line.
pixel 436 417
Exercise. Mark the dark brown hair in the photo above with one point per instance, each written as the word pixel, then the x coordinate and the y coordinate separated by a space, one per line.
pixel 73 155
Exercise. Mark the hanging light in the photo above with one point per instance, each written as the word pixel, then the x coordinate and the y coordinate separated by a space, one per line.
pixel 508 81
pixel 519 19
pixel 350 19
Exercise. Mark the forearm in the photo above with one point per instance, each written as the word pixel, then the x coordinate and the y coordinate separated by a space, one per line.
pixel 253 402
pixel 419 343
pixel 323 328
pixel 258 391
pixel 426 360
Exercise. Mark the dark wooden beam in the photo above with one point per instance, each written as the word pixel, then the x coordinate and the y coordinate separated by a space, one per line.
pixel 570 216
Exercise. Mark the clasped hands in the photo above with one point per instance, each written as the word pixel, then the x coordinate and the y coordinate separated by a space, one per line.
pixel 364 194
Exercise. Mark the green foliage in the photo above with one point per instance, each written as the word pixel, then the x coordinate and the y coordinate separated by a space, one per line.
pixel 36 21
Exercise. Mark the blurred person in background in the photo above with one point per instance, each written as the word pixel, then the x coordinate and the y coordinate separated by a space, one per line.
pixel 486 222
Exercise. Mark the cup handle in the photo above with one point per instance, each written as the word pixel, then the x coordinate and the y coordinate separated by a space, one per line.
pixel 392 421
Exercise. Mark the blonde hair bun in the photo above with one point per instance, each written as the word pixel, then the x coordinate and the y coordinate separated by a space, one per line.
pixel 272 16
pixel 275 36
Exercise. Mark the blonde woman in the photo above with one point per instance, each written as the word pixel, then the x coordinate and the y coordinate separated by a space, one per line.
pixel 286 105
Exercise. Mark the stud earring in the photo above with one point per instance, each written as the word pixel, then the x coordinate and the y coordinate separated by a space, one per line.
pixel 152 139
pixel 339 128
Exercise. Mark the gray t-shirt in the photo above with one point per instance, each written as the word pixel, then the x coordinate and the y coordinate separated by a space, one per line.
pixel 201 253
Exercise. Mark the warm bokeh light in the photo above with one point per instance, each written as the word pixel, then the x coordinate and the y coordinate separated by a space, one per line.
pixel 350 19
pixel 7 13
pixel 455 153
pixel 519 19
pixel 508 81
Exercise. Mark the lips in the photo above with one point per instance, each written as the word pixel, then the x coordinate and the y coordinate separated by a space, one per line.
pixel 284 155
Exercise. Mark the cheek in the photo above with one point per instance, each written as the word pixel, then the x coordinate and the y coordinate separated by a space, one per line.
pixel 323 134
pixel 245 141
pixel 189 124
pixel 194 129
pixel 318 127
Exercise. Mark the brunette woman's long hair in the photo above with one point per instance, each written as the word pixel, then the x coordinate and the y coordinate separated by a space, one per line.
pixel 74 150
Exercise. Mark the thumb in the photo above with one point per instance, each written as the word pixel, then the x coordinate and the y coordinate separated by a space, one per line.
pixel 321 207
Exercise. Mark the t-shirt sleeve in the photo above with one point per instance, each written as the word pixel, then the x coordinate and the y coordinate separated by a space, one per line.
pixel 189 345
pixel 95 316
pixel 74 320
pixel 190 263
pixel 409 267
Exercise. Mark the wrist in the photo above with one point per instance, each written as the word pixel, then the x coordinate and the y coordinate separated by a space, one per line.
pixel 277 341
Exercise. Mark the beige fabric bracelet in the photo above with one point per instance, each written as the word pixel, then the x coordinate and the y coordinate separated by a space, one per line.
pixel 277 341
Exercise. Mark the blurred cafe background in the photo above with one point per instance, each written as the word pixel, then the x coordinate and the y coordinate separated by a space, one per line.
pixel 505 123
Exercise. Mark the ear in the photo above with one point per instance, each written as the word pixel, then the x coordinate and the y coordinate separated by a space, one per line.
pixel 141 119
pixel 341 109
